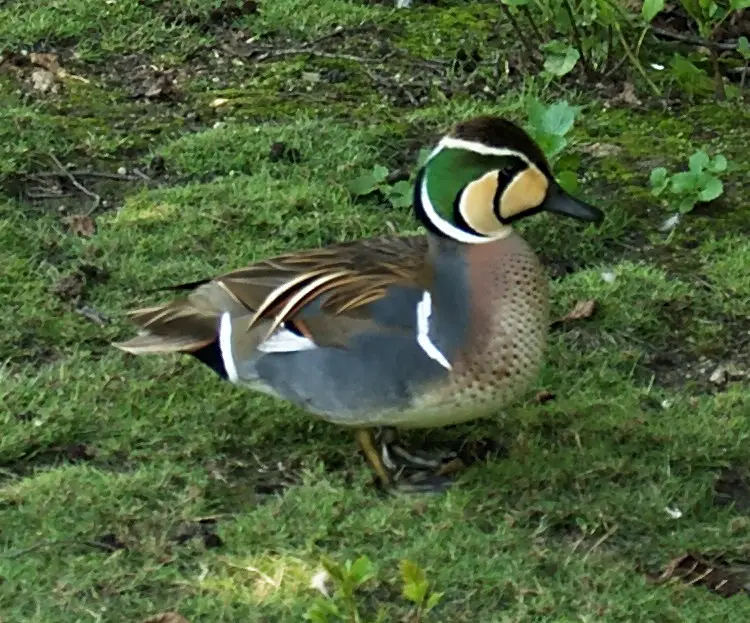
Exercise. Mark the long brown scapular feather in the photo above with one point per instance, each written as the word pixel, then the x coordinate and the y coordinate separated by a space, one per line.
pixel 350 275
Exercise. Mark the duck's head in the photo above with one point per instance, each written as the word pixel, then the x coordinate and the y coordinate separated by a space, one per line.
pixel 484 175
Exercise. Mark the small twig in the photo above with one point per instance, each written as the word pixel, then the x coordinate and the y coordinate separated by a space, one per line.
pixel 97 199
pixel 577 37
pixel 635 61
pixel 93 315
pixel 46 195
pixel 101 174
pixel 42 544
pixel 692 39
pixel 599 542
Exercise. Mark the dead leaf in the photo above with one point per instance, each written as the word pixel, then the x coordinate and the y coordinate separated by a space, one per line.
pixel 43 81
pixel 627 95
pixel 70 287
pixel 716 575
pixel 544 396
pixel 50 62
pixel 581 310
pixel 602 150
pixel 81 225
pixel 166 617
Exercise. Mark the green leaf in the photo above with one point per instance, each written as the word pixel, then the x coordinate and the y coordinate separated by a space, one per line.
pixel 651 8
pixel 711 190
pixel 362 570
pixel 743 47
pixel 400 194
pixel 568 180
pixel 698 161
pixel 560 58
pixel 416 592
pixel 658 181
pixel 536 111
pixel 515 2
pixel 684 182
pixel 552 145
pixel 687 204
pixel 411 572
pixel 433 601
pixel 363 185
pixel 379 173
pixel 738 5
pixel 321 611
pixel 718 164
pixel 559 118
pixel 333 568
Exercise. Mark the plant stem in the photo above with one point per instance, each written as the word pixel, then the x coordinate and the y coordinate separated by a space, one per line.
pixel 608 57
pixel 744 75
pixel 519 32
pixel 577 38
pixel 721 93
pixel 635 61
pixel 530 18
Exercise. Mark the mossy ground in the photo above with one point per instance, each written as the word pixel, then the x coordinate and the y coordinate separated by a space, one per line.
pixel 566 517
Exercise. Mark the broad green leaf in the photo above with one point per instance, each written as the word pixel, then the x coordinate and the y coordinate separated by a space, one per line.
pixel 362 570
pixel 433 600
pixel 401 194
pixel 711 190
pixel 560 58
pixel 411 572
pixel 568 180
pixel 552 144
pixel 416 591
pixel 738 5
pixel 569 161
pixel 698 161
pixel 743 47
pixel 559 118
pixel 362 185
pixel 687 204
pixel 684 182
pixel 651 8
pixel 718 164
pixel 658 181
pixel 535 111
pixel 379 172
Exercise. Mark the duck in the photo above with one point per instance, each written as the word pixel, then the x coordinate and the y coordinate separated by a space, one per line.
pixel 395 332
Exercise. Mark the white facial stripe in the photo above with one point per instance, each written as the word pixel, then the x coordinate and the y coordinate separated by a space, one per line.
pixel 285 341
pixel 424 310
pixel 446 227
pixel 225 346
pixel 449 142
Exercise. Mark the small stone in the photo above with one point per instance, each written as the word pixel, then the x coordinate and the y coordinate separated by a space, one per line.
pixel 122 171
pixel 719 376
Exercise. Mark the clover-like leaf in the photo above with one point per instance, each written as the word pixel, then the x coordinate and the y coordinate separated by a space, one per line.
pixel 713 189
pixel 684 182
pixel 379 173
pixel 718 164
pixel 698 161
pixel 687 204
pixel 400 194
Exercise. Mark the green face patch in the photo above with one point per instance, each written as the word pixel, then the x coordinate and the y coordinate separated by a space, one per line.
pixel 451 170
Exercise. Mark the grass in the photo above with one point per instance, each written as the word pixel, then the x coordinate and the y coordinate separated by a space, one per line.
pixel 562 522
